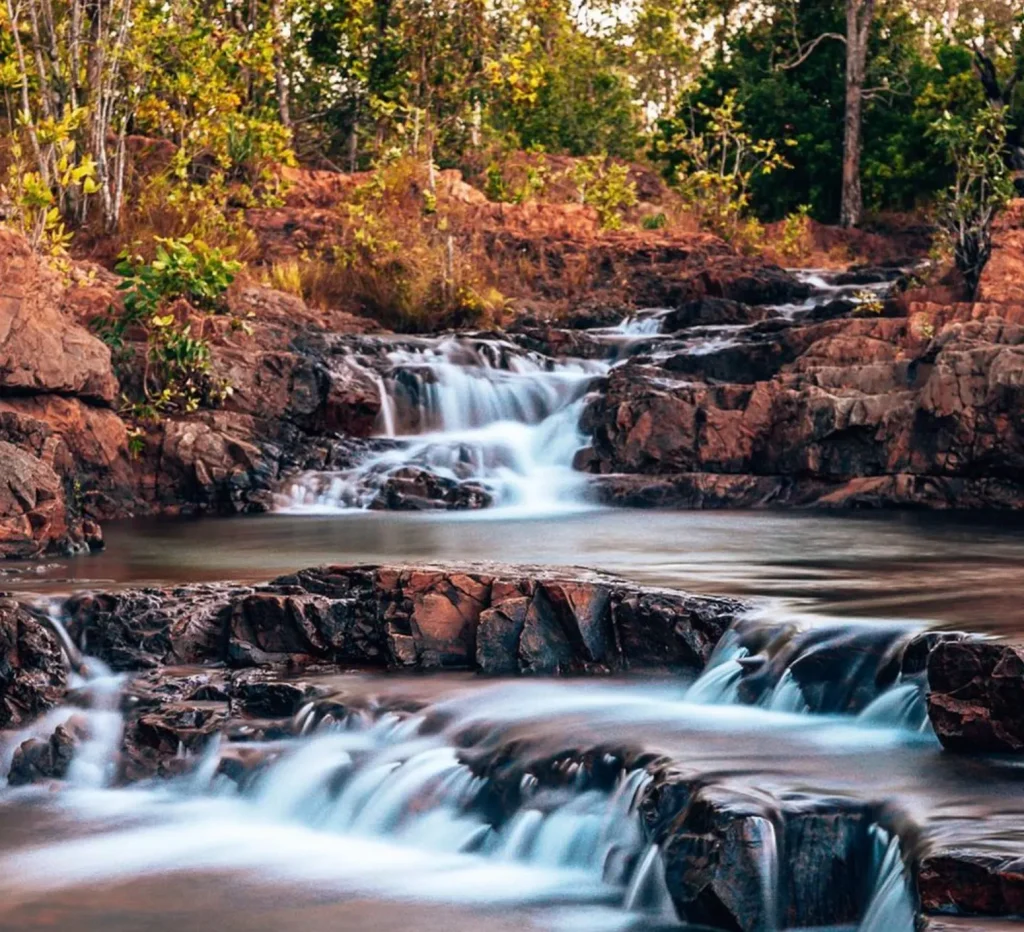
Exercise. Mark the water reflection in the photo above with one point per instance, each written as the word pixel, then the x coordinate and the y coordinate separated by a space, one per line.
pixel 959 571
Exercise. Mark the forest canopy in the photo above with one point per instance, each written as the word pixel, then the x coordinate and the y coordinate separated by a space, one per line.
pixel 239 87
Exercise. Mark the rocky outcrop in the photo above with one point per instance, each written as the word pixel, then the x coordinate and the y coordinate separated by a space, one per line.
pixel 843 412
pixel 973 882
pixel 64 451
pixel 976 695
pixel 32 673
pixel 496 620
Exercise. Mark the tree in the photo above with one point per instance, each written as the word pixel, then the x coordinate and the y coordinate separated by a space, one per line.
pixel 981 186
pixel 859 14
pixel 68 64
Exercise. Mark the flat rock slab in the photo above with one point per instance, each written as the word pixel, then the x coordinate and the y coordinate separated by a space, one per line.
pixel 492 619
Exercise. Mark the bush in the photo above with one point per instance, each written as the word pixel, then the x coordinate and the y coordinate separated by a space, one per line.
pixel 177 374
pixel 716 160
pixel 606 187
pixel 182 268
pixel 982 186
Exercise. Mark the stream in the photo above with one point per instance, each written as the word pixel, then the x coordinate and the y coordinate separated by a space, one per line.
pixel 377 809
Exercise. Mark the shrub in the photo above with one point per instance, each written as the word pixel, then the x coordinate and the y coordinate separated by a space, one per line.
pixel 717 161
pixel 177 374
pixel 981 187
pixel 795 229
pixel 654 222
pixel 182 268
pixel 606 187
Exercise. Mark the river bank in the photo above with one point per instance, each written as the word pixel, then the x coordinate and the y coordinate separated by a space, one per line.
pixel 692 377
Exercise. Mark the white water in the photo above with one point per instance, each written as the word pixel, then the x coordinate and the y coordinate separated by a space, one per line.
pixel 869 646
pixel 825 291
pixel 384 806
pixel 470 410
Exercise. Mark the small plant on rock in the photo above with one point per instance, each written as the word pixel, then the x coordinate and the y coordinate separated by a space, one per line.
pixel 982 186
pixel 606 187
pixel 185 280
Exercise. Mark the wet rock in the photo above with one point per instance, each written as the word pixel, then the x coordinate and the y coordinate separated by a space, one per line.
pixel 971 882
pixel 413 488
pixel 262 698
pixel 976 695
pixel 744 862
pixel 710 311
pixel 33 677
pixel 869 275
pixel 493 619
pixel 142 628
pixel 38 760
pixel 166 741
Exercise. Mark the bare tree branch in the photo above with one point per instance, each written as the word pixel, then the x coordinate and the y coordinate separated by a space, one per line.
pixel 807 49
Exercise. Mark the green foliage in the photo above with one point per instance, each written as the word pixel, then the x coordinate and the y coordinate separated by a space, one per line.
pixel 981 186
pixel 914 74
pixel 182 268
pixel 37 198
pixel 795 230
pixel 656 221
pixel 716 161
pixel 177 375
pixel 606 187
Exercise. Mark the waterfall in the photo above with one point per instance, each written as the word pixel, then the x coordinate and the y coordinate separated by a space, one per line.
pixel 892 905
pixel 812 665
pixel 97 721
pixel 469 416
pixel 385 806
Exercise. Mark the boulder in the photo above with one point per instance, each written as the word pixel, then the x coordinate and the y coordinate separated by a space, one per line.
pixel 37 760
pixel 976 695
pixel 33 677
pixel 968 881
pixel 42 350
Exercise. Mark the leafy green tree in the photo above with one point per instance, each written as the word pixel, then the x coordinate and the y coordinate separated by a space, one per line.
pixel 980 189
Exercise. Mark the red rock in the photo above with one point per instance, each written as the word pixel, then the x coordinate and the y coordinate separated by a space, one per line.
pixel 32 673
pixel 492 619
pixel 42 351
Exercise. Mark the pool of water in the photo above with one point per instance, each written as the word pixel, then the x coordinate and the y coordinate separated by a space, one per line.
pixel 946 569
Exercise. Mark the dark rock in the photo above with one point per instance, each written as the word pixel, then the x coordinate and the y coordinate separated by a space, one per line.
pixel 976 695
pixel 413 488
pixel 33 677
pixel 710 311
pixel 494 619
pixel 36 760
pixel 737 862
pixel 971 882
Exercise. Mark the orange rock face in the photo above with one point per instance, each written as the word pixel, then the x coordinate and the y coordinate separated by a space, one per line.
pixel 64 450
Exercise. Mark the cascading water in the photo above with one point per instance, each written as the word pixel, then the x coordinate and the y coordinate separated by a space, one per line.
pixel 476 412
pixel 384 804
pixel 815 665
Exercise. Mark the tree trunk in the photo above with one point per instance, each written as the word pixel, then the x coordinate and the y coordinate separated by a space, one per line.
pixel 280 72
pixel 858 24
